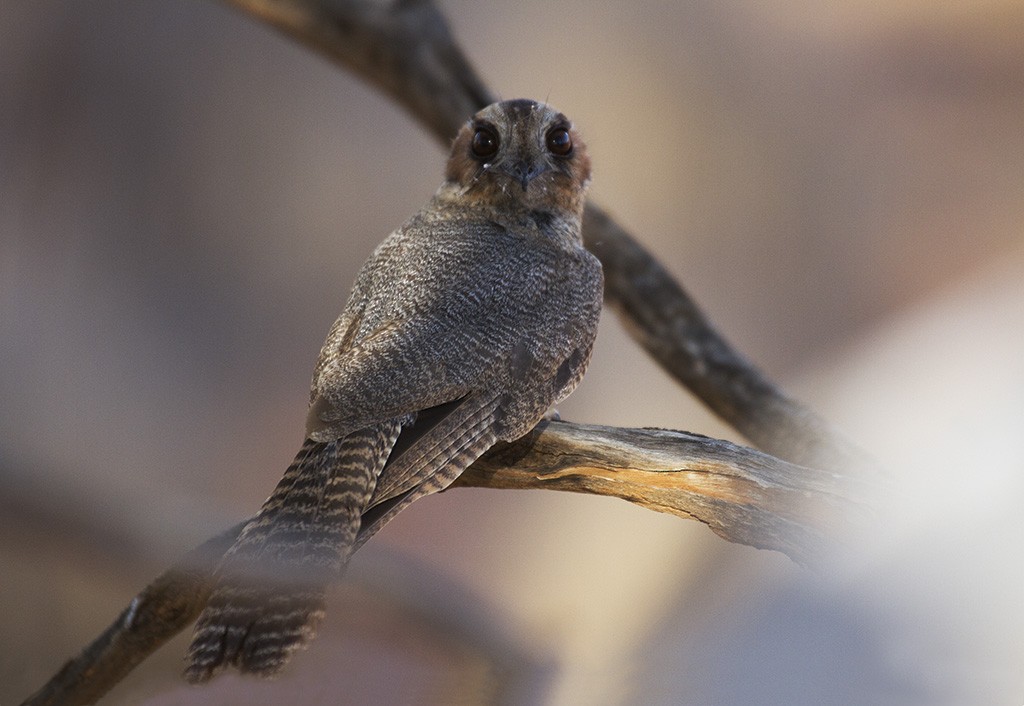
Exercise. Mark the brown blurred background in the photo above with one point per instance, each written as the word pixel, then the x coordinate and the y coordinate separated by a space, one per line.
pixel 185 197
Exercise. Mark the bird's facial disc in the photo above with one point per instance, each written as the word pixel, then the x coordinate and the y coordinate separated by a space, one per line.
pixel 521 151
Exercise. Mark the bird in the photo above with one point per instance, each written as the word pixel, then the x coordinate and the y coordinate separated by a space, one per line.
pixel 463 328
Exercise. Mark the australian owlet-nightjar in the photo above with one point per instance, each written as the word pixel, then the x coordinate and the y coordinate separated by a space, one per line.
pixel 463 328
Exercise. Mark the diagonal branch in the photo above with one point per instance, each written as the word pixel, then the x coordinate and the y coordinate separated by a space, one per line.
pixel 163 609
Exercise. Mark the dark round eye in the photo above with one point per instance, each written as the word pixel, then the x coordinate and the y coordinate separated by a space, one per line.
pixel 559 141
pixel 485 143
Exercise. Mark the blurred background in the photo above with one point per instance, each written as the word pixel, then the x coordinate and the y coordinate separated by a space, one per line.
pixel 185 197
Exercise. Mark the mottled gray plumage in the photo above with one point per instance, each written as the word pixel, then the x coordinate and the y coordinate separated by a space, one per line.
pixel 463 328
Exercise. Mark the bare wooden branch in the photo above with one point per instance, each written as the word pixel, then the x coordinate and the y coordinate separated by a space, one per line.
pixel 743 495
pixel 406 49
pixel 162 610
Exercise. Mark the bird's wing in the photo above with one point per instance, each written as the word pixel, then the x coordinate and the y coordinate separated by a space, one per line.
pixel 391 372
pixel 431 452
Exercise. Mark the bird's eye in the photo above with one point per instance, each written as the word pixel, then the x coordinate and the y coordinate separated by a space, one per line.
pixel 485 143
pixel 559 141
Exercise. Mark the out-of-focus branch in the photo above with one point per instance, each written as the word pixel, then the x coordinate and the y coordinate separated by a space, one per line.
pixel 743 495
pixel 403 48
pixel 162 610
pixel 406 49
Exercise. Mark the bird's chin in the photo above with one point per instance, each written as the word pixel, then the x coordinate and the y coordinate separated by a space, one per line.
pixel 547 192
pixel 524 190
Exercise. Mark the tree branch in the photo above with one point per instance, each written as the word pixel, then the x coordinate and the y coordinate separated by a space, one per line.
pixel 162 610
pixel 743 495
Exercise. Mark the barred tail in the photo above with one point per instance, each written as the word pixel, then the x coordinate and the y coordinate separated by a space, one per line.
pixel 270 593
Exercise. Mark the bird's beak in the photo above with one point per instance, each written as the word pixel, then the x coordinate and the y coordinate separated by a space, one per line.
pixel 523 171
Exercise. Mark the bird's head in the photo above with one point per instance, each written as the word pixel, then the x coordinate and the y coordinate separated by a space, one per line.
pixel 521 153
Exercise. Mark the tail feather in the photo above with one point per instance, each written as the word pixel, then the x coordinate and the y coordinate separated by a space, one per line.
pixel 270 595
